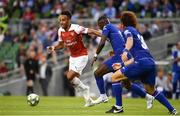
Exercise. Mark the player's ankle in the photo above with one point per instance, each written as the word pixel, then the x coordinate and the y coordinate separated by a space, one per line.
pixel 103 95
pixel 118 106
pixel 148 96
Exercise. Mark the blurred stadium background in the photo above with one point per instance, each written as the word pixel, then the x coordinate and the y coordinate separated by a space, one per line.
pixel 31 25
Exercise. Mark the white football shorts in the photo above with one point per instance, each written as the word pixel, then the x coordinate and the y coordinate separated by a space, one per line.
pixel 77 64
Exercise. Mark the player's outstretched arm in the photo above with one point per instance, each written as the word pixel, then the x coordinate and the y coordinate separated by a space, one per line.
pixel 52 48
pixel 99 48
pixel 94 32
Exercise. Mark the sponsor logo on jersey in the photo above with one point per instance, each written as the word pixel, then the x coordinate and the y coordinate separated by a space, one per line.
pixel 72 33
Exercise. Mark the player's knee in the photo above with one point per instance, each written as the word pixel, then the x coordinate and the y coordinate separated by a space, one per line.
pixel 114 79
pixel 70 76
pixel 126 84
pixel 149 89
pixel 98 73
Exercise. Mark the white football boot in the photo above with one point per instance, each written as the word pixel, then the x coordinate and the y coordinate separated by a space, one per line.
pixel 89 103
pixel 101 99
pixel 86 95
pixel 150 100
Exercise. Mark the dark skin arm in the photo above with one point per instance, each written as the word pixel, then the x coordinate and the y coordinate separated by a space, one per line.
pixel 59 46
pixel 94 32
pixel 51 49
pixel 100 47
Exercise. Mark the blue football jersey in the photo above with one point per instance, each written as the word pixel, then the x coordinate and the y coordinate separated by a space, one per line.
pixel 115 37
pixel 139 49
pixel 176 65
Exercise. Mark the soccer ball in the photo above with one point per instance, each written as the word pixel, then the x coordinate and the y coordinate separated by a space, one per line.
pixel 33 99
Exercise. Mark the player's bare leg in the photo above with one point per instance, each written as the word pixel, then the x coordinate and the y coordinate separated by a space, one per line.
pixel 78 85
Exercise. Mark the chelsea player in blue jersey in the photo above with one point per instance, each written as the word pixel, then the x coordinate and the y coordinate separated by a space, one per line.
pixel 176 70
pixel 112 34
pixel 143 67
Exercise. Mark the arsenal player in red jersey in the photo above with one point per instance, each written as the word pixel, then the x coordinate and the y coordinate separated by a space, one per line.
pixel 70 35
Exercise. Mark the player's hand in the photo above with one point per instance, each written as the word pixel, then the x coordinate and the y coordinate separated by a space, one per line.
pixel 124 56
pixel 116 66
pixel 94 60
pixel 50 49
pixel 178 59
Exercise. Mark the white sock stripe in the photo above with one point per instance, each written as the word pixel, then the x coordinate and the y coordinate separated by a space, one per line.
pixel 116 84
pixel 157 94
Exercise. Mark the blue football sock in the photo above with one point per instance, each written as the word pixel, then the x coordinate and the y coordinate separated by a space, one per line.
pixel 135 88
pixel 163 100
pixel 117 91
pixel 174 87
pixel 100 84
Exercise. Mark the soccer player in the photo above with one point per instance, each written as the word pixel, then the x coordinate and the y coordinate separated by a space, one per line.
pixel 176 70
pixel 70 35
pixel 143 68
pixel 112 34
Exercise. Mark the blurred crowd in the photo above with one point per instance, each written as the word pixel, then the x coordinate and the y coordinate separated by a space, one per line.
pixel 32 9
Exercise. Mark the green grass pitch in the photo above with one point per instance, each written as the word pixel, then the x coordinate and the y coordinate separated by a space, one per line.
pixel 17 105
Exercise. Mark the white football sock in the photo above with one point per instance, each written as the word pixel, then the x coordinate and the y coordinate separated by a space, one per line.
pixel 118 107
pixel 77 82
pixel 174 96
pixel 148 96
pixel 79 85
pixel 103 95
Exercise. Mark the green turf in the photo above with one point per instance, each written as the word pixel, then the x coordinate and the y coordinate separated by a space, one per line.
pixel 74 106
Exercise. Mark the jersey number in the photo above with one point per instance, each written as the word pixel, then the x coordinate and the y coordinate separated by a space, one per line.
pixel 143 44
pixel 121 35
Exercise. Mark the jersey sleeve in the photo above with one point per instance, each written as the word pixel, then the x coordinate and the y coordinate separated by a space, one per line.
pixel 105 31
pixel 59 35
pixel 81 30
pixel 127 33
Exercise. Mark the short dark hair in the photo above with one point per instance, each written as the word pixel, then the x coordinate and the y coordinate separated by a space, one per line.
pixel 103 17
pixel 67 13
pixel 128 18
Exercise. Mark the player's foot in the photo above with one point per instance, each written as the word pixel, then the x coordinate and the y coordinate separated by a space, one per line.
pixel 150 101
pixel 85 91
pixel 115 110
pixel 174 112
pixel 89 103
pixel 101 99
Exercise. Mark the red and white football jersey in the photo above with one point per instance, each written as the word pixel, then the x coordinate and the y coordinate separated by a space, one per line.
pixel 73 39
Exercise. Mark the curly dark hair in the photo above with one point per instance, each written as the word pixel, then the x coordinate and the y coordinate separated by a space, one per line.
pixel 128 18
pixel 67 13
